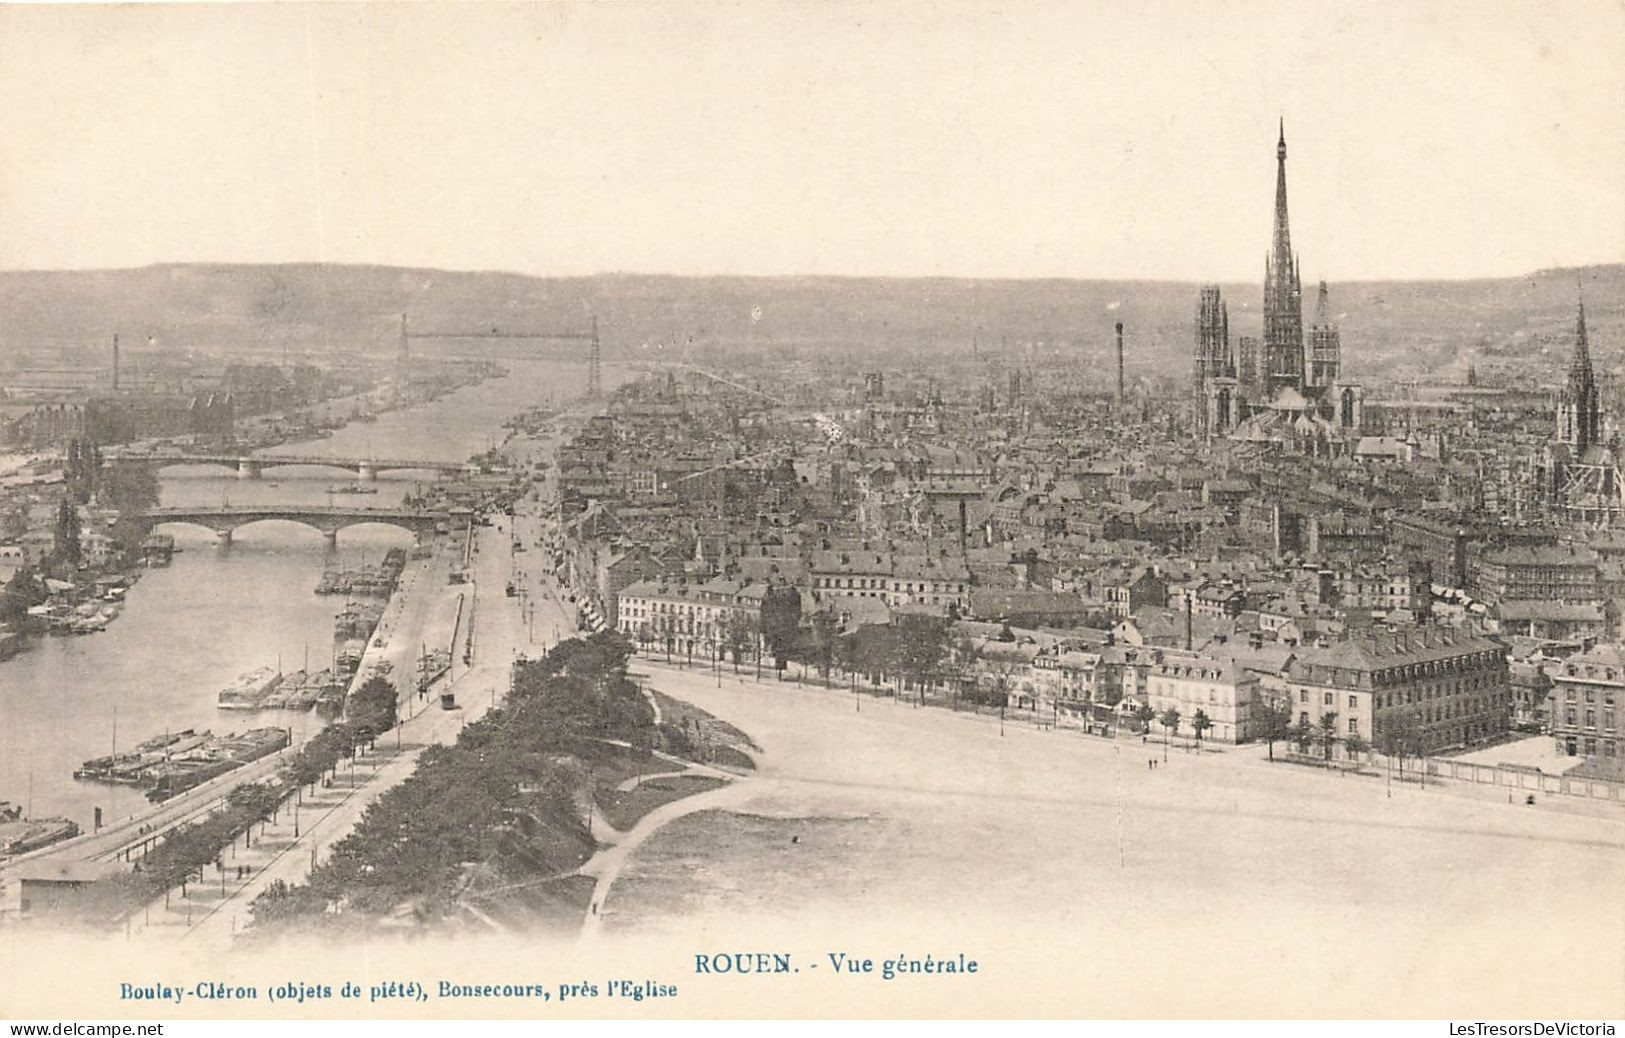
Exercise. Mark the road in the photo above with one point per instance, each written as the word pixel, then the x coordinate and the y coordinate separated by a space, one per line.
pixel 213 912
pixel 486 628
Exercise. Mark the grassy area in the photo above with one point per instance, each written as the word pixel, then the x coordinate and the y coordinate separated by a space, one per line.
pixel 550 904
pixel 691 719
pixel 626 809
pixel 491 830
pixel 728 757
pixel 498 809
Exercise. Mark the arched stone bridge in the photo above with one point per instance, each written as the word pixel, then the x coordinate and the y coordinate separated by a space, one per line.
pixel 227 519
pixel 252 466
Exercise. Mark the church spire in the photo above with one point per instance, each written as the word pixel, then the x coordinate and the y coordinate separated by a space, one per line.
pixel 1281 240
pixel 1283 299
pixel 1579 411
pixel 1580 373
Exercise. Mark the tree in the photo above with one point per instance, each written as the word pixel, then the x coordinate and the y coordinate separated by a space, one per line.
pixel 1328 731
pixel 372 709
pixel 1200 723
pixel 825 633
pixel 23 590
pixel 1144 715
pixel 738 634
pixel 1398 735
pixel 781 621
pixel 922 644
pixel 847 652
pixel 1354 746
pixel 253 802
pixel 1001 676
pixel 65 549
pixel 1301 734
pixel 79 470
pixel 1275 720
pixel 1170 725
pixel 965 663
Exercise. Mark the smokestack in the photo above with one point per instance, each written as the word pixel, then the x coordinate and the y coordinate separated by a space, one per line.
pixel 115 362
pixel 1189 640
pixel 1120 395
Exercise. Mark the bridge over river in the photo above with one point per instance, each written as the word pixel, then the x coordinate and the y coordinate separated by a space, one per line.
pixel 225 520
pixel 252 466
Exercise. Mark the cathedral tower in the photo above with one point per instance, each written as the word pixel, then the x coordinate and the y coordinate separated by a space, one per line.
pixel 1579 416
pixel 1213 357
pixel 1283 292
pixel 1325 345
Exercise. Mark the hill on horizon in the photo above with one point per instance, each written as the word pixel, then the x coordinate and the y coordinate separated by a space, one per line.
pixel 1388 327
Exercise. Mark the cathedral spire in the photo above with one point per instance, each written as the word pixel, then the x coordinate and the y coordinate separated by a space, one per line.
pixel 1283 299
pixel 1281 240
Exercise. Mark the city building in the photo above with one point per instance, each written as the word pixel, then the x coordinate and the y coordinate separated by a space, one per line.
pixel 1219 688
pixel 1584 704
pixel 1446 688
pixel 702 620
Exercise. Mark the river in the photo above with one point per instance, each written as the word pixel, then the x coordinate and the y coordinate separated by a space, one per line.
pixel 189 629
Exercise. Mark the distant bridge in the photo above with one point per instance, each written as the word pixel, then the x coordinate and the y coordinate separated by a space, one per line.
pixel 227 519
pixel 252 466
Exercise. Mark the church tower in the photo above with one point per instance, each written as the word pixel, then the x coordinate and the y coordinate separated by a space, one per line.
pixel 1579 417
pixel 1213 357
pixel 1325 345
pixel 1283 292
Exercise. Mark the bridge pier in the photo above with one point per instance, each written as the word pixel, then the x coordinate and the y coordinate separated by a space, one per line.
pixel 366 472
pixel 224 538
pixel 248 468
pixel 331 537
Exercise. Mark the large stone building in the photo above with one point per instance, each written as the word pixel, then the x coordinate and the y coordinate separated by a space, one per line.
pixel 691 619
pixel 1224 692
pixel 940 583
pixel 1449 688
pixel 1584 704
pixel 1541 590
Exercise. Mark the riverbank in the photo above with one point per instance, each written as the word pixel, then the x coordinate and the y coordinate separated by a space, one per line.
pixel 323 418
pixel 59 608
pixel 217 612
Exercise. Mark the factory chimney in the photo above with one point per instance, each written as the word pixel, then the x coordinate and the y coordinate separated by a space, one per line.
pixel 1119 361
pixel 115 362
pixel 403 354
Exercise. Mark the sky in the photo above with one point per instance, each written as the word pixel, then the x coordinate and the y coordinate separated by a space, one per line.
pixel 1076 140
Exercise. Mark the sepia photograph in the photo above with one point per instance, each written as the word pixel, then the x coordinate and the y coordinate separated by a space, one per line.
pixel 807 511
